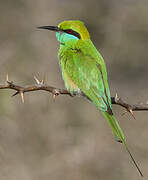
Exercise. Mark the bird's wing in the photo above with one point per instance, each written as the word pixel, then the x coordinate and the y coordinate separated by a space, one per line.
pixel 87 70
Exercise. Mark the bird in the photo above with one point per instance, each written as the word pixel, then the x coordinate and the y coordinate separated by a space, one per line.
pixel 84 72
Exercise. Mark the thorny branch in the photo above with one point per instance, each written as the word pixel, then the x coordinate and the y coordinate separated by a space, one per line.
pixel 40 85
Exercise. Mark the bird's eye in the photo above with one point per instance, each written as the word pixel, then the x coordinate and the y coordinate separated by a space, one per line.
pixel 70 31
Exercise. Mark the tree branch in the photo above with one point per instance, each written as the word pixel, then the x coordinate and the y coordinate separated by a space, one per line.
pixel 40 85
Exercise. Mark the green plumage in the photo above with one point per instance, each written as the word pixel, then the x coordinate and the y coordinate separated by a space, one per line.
pixel 85 67
pixel 84 71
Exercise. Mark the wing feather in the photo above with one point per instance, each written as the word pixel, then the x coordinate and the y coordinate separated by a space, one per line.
pixel 87 70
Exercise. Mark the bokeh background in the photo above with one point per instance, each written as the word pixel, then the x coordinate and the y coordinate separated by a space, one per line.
pixel 69 139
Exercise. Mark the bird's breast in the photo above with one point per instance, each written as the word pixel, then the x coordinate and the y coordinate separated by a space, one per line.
pixel 70 85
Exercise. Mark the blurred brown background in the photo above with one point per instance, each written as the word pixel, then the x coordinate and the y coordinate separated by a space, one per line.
pixel 69 139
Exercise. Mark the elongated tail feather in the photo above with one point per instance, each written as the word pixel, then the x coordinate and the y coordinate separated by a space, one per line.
pixel 119 135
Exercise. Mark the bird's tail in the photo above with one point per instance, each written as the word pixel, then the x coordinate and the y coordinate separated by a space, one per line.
pixel 119 135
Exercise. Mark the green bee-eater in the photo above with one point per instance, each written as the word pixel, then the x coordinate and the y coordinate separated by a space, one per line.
pixel 84 71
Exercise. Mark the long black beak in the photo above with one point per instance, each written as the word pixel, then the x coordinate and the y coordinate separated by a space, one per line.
pixel 51 28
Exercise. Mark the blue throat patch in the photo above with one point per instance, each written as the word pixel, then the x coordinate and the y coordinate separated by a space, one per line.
pixel 64 37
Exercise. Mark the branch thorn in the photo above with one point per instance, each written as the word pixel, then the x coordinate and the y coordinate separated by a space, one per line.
pixel 132 113
pixel 7 78
pixel 55 94
pixel 16 93
pixel 22 97
pixel 37 81
pixel 54 97
pixel 116 97
pixel 44 79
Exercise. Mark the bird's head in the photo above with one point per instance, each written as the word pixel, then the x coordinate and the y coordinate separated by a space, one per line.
pixel 68 30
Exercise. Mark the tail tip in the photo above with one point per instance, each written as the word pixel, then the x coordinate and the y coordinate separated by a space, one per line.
pixel 118 139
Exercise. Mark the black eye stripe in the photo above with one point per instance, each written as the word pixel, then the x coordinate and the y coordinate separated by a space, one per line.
pixel 70 31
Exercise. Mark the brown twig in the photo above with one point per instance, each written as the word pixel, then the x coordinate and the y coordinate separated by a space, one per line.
pixel 129 107
pixel 40 85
